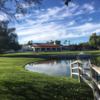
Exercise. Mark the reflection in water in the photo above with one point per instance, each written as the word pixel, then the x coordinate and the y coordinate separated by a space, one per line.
pixel 54 68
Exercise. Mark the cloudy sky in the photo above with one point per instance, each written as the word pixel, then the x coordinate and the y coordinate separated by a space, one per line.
pixel 55 21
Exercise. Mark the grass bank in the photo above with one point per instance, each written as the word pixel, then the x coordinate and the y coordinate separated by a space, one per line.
pixel 94 52
pixel 19 84
pixel 72 52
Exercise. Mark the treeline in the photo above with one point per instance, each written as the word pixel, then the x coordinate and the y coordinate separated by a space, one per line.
pixel 8 38
pixel 94 41
pixel 92 44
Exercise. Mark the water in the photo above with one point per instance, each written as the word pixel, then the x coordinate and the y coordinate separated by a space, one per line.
pixel 53 68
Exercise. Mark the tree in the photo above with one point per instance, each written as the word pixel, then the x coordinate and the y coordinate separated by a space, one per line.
pixel 67 42
pixel 51 42
pixel 8 38
pixel 30 42
pixel 95 40
pixel 67 2
pixel 57 42
pixel 92 39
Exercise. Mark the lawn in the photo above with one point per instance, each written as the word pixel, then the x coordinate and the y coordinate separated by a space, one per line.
pixel 94 52
pixel 18 84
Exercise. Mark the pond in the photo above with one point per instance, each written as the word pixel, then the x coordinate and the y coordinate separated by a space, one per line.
pixel 52 67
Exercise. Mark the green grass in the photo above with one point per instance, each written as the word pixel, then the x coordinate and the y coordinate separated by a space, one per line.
pixel 18 84
pixel 72 52
pixel 94 52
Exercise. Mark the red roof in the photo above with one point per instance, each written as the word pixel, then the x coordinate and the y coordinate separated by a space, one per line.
pixel 46 46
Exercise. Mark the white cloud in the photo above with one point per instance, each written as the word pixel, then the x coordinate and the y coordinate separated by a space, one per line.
pixel 3 16
pixel 53 31
pixel 50 24
pixel 86 27
pixel 90 19
pixel 58 13
pixel 88 7
pixel 71 23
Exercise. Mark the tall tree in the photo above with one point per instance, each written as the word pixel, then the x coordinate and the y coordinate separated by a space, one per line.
pixel 95 40
pixel 8 38
pixel 30 42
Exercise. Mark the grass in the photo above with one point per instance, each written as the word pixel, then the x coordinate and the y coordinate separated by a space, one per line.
pixel 18 84
pixel 72 52
pixel 30 54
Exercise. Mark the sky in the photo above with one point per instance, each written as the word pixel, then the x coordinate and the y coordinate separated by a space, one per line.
pixel 52 20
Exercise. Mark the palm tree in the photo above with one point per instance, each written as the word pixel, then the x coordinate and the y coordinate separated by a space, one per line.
pixel 65 42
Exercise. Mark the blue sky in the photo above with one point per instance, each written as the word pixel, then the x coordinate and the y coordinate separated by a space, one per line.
pixel 55 21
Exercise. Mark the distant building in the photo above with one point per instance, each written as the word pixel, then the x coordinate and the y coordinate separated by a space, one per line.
pixel 39 47
pixel 26 48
